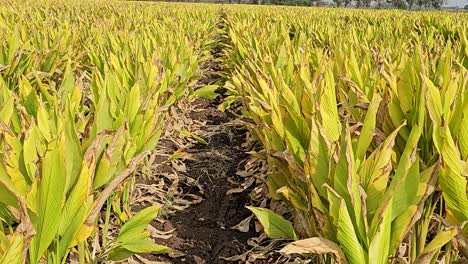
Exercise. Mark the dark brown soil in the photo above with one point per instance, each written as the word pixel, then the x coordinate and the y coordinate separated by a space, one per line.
pixel 203 231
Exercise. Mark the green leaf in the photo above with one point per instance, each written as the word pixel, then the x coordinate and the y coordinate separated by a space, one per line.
pixel 79 202
pixel 463 127
pixel 433 102
pixel 402 183
pixel 403 223
pixel 102 173
pixel 354 70
pixel 145 246
pixel 206 92
pixel 6 110
pixel 187 133
pixel 136 247
pixel 72 227
pixel 440 240
pixel 346 183
pixel 51 191
pixel 103 119
pixel 367 131
pixel 137 224
pixel 73 153
pixel 375 171
pixel 43 122
pixel 453 187
pixel 451 180
pixel 328 108
pixel 274 225
pixel 405 87
pixel 8 191
pixel 14 251
pixel 318 158
pixel 346 234
pixel 68 83
pixel 379 248
pixel 30 152
pixel 119 253
pixel 133 103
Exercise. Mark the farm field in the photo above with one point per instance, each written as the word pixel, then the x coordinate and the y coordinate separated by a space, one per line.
pixel 138 132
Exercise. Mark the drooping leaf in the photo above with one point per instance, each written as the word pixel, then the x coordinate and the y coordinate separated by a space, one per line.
pixel 137 224
pixel 274 225
pixel 315 245
pixel 51 191
pixel 130 248
pixel 14 251
pixel 346 233
pixel 206 92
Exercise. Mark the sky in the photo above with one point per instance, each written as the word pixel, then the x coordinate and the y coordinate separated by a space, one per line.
pixel 459 3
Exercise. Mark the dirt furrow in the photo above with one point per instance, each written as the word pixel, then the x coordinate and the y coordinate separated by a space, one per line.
pixel 203 232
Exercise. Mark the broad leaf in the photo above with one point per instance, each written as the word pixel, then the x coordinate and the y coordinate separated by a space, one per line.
pixel 274 225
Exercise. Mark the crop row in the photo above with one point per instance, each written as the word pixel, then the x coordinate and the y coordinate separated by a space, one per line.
pixel 364 117
pixel 84 94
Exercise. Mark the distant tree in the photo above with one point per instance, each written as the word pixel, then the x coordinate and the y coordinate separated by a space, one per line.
pixel 314 2
pixel 366 3
pixel 380 3
pixel 437 4
pixel 338 3
pixel 466 7
pixel 400 4
pixel 410 3
pixel 421 3
pixel 346 2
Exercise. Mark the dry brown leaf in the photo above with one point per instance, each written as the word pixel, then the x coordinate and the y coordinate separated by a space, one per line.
pixel 147 261
pixel 244 225
pixel 315 245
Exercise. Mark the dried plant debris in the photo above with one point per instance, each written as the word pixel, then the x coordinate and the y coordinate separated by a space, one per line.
pixel 201 187
pixel 204 188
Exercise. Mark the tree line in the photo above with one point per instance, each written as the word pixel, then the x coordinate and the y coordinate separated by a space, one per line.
pixel 401 4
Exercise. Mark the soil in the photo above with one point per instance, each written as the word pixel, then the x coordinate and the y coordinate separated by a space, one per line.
pixel 203 232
